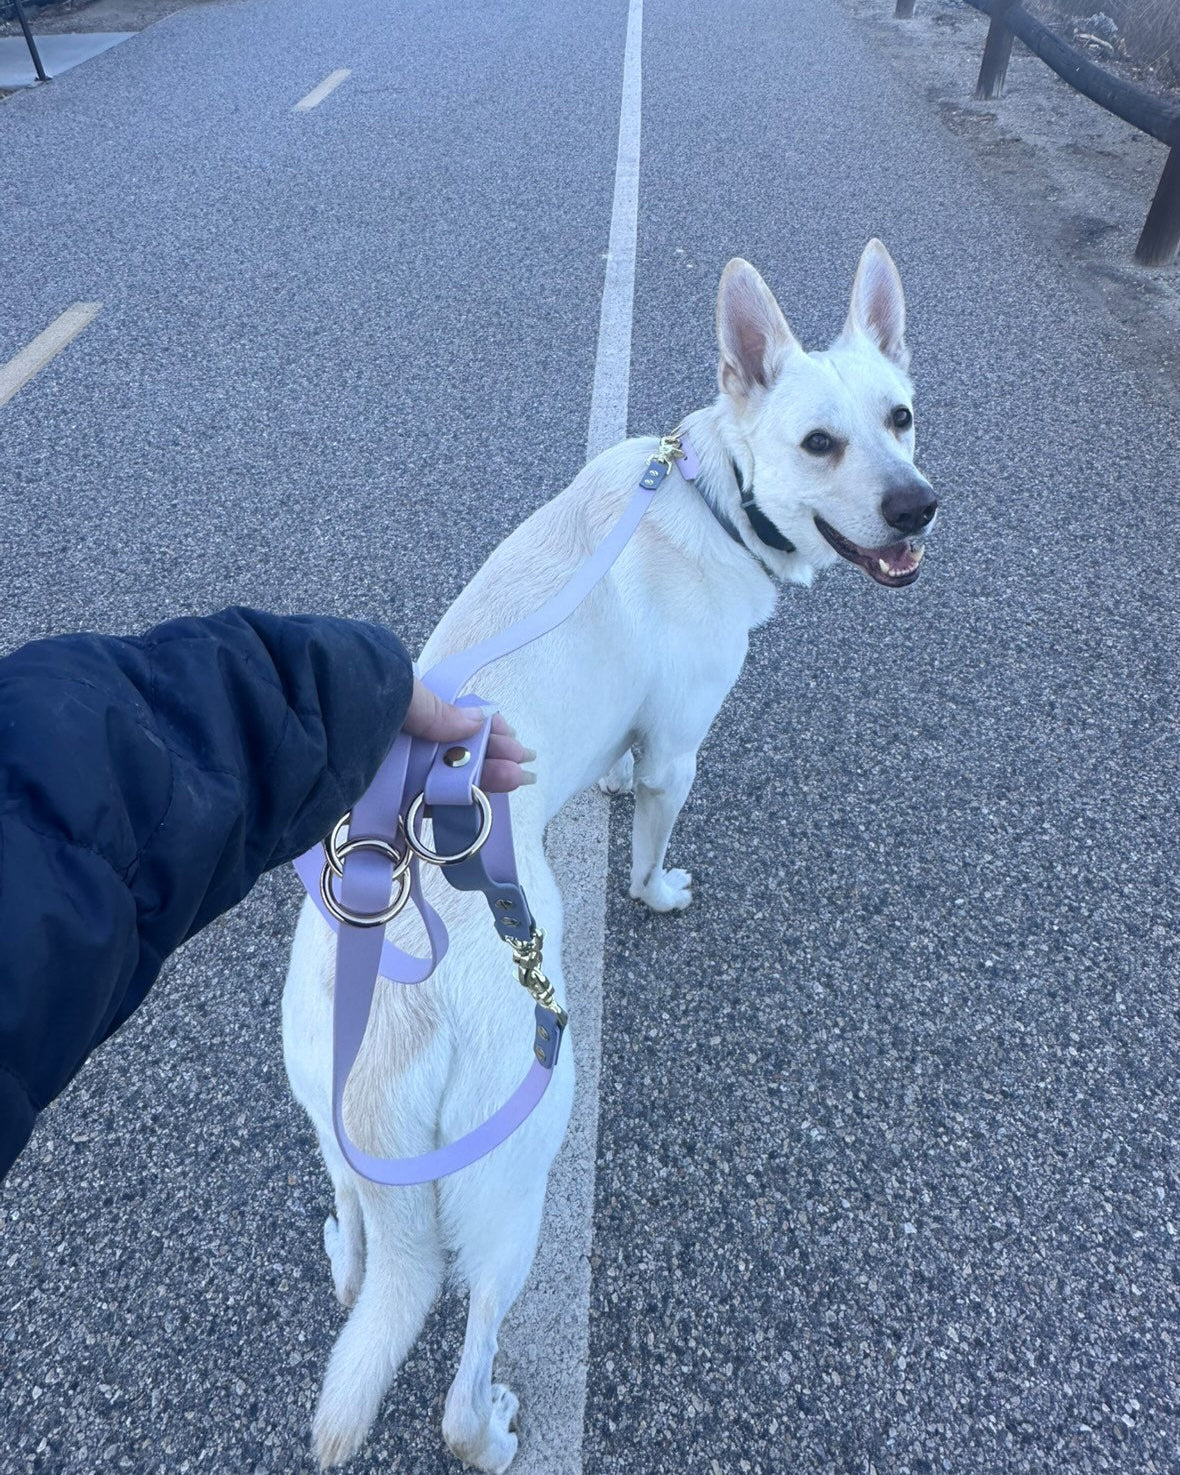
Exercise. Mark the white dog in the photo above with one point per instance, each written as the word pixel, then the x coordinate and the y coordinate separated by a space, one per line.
pixel 805 459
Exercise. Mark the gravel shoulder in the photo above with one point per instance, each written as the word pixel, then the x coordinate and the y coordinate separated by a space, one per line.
pixel 1084 178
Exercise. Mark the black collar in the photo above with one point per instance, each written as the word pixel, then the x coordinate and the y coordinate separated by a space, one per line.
pixel 764 530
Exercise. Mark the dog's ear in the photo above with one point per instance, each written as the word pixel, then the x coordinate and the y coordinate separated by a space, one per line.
pixel 752 333
pixel 878 304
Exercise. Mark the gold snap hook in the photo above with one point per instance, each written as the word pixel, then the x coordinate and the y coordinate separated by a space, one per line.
pixel 670 451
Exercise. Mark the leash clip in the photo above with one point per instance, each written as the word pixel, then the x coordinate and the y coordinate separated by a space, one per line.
pixel 527 957
pixel 670 450
pixel 661 463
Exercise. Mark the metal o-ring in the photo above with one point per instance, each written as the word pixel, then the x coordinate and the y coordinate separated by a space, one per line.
pixel 423 852
pixel 366 919
pixel 335 852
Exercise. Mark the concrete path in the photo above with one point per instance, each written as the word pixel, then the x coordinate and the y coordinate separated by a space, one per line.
pixel 58 54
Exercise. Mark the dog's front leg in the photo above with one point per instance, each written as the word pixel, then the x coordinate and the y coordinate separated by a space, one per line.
pixel 661 787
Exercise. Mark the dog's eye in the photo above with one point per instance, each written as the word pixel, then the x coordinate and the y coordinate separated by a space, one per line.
pixel 819 443
pixel 902 419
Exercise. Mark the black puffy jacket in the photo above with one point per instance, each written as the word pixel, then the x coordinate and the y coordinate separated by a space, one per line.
pixel 145 785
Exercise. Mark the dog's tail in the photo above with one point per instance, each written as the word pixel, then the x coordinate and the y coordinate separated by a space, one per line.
pixel 404 1270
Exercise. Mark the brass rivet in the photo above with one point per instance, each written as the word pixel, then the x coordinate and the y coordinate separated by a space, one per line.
pixel 457 757
pixel 503 905
pixel 511 922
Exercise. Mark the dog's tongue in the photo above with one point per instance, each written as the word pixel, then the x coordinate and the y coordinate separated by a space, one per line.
pixel 898 558
pixel 894 565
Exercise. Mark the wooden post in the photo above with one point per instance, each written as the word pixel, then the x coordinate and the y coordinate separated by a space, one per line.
pixel 996 52
pixel 904 11
pixel 1161 233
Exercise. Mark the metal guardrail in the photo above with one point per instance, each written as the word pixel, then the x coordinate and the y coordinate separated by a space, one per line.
pixel 1135 105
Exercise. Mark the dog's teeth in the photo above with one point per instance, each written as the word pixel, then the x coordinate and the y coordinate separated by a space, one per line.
pixel 882 565
pixel 919 553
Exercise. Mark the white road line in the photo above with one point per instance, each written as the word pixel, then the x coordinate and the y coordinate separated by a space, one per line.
pixel 612 368
pixel 550 1340
pixel 17 372
pixel 317 94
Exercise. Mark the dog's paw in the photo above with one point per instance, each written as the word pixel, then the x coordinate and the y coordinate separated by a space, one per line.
pixel 664 891
pixel 502 1431
pixel 504 1425
pixel 491 1446
pixel 347 1261
pixel 505 1407
pixel 621 778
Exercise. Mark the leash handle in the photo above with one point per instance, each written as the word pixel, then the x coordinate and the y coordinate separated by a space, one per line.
pixel 363 953
pixel 365 885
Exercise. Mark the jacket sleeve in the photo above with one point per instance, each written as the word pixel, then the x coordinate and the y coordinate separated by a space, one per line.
pixel 145 785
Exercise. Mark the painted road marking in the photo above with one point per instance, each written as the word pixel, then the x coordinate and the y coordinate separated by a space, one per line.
pixel 17 372
pixel 612 367
pixel 317 94
pixel 550 1339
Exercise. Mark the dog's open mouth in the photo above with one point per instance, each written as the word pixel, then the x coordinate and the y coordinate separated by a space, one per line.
pixel 894 565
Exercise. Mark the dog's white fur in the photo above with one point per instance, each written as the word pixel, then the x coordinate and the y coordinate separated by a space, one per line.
pixel 628 688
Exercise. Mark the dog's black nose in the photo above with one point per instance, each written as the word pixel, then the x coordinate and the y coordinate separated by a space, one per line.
pixel 909 507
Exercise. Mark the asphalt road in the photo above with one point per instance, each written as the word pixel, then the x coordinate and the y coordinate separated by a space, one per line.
pixel 886 1169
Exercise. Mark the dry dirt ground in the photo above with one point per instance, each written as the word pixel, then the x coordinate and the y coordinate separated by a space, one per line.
pixel 1144 42
pixel 99 15
pixel 1086 177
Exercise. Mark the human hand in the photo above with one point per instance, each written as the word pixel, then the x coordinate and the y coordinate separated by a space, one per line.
pixel 430 717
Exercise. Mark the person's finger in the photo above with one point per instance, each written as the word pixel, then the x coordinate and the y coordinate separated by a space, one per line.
pixel 430 717
pixel 510 748
pixel 438 721
pixel 501 777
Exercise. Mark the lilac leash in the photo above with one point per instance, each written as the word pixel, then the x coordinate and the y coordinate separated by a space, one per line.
pixel 350 881
pixel 454 672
